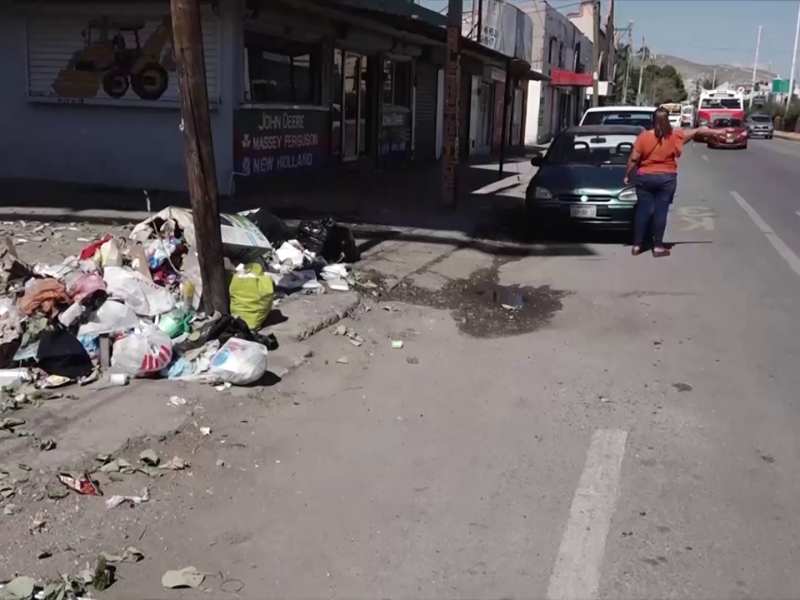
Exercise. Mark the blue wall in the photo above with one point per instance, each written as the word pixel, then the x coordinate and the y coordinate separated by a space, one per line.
pixel 139 148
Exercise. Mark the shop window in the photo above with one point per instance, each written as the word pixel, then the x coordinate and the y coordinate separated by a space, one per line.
pixel 397 83
pixel 283 71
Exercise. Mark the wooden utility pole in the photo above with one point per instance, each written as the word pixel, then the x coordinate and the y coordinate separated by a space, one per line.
pixel 628 64
pixel 641 72
pixel 196 126
pixel 452 93
pixel 596 47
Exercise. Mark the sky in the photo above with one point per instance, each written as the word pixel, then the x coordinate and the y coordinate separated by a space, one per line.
pixel 703 31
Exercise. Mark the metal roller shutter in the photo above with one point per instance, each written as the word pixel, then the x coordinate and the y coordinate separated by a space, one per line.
pixel 110 54
pixel 426 111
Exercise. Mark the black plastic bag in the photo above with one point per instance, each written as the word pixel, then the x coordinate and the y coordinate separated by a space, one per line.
pixel 312 234
pixel 61 353
pixel 340 246
pixel 223 329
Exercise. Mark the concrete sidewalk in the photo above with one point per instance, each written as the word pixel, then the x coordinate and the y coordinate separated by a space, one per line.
pixel 787 135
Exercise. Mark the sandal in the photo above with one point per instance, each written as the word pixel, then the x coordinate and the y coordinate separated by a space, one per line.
pixel 636 251
pixel 661 252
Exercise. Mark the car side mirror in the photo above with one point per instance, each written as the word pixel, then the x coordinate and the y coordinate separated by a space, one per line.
pixel 537 160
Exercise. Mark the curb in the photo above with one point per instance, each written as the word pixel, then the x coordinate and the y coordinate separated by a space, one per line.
pixel 786 135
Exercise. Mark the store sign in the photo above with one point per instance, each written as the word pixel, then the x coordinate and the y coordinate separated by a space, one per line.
pixel 506 29
pixel 395 130
pixel 272 142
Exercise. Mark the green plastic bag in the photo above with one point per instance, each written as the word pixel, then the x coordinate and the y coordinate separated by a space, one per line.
pixel 252 293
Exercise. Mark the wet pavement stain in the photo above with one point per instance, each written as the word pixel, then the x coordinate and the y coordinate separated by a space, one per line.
pixel 483 308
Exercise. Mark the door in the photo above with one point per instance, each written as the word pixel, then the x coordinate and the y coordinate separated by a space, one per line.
pixel 484 134
pixel 353 102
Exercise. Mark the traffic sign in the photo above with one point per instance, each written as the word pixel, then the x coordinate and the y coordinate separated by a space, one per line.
pixel 780 86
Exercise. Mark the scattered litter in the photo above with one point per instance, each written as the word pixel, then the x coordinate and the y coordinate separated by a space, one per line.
pixel 44 554
pixel 177 401
pixel 175 464
pixel 205 430
pixel 119 465
pixel 81 483
pixel 389 308
pixel 397 344
pixel 115 501
pixel 47 445
pixel 682 387
pixel 9 510
pixel 220 463
pixel 21 588
pixel 604 400
pixel 509 307
pixel 103 575
pixel 342 360
pixel 412 360
pixel 130 555
pixel 355 339
pixel 340 330
pixel 223 387
pixel 187 577
pixel 149 458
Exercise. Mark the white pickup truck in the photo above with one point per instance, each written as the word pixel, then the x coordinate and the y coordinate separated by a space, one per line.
pixel 643 116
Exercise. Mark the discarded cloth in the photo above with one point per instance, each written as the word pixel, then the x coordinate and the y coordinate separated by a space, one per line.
pixel 85 285
pixel 61 353
pixel 90 250
pixel 43 295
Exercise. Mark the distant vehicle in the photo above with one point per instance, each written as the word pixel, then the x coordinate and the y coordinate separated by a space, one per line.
pixel 674 110
pixel 719 104
pixel 638 116
pixel 760 126
pixel 728 133
pixel 579 181
pixel 687 116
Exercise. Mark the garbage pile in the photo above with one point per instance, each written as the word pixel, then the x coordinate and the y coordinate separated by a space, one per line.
pixel 126 308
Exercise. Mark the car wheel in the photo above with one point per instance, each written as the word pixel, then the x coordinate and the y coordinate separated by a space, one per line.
pixel 769 137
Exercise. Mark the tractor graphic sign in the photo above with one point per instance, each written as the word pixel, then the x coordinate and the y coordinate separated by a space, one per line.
pixel 117 58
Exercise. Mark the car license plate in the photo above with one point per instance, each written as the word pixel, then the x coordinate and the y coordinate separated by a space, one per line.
pixel 731 141
pixel 583 212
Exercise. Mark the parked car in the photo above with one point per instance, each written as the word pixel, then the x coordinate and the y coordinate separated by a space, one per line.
pixel 641 116
pixel 579 181
pixel 728 133
pixel 760 126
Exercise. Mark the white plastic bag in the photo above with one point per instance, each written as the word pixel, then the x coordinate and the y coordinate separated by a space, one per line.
pixel 110 318
pixel 142 352
pixel 143 296
pixel 110 255
pixel 239 362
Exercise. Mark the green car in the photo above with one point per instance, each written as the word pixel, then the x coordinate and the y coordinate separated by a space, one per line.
pixel 579 182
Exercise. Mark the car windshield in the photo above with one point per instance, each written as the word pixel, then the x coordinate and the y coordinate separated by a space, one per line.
pixel 640 119
pixel 591 149
pixel 721 103
pixel 727 123
pixel 761 119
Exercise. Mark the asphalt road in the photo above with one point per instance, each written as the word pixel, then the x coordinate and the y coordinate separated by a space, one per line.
pixel 630 432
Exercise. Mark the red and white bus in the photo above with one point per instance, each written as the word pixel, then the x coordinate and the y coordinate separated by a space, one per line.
pixel 718 104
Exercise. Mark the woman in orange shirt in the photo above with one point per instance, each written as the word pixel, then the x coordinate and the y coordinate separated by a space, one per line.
pixel 656 153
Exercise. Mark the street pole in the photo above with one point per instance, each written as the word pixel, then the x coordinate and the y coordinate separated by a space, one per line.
pixel 641 73
pixel 452 91
pixel 794 62
pixel 596 61
pixel 628 64
pixel 480 21
pixel 506 120
pixel 473 24
pixel 714 82
pixel 755 67
pixel 196 125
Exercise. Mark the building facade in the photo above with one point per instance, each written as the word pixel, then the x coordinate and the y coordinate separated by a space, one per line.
pixel 296 88
pixel 564 55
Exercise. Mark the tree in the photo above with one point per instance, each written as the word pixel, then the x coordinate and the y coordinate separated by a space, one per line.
pixel 706 82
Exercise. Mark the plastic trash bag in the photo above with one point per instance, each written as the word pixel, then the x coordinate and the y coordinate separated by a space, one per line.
pixel 239 362
pixel 142 352
pixel 111 317
pixel 143 296
pixel 251 293
pixel 85 285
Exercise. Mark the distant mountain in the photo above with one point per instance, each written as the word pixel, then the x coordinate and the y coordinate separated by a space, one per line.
pixel 725 73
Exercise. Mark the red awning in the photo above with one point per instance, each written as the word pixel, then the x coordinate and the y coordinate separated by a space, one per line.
pixel 559 78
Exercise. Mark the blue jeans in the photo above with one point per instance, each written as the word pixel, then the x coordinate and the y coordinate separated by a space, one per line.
pixel 655 193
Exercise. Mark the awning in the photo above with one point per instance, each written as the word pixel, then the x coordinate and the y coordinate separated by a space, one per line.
pixel 559 78
pixel 534 75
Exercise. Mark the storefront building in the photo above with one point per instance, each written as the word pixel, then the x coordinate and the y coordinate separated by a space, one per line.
pixel 563 54
pixel 297 88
